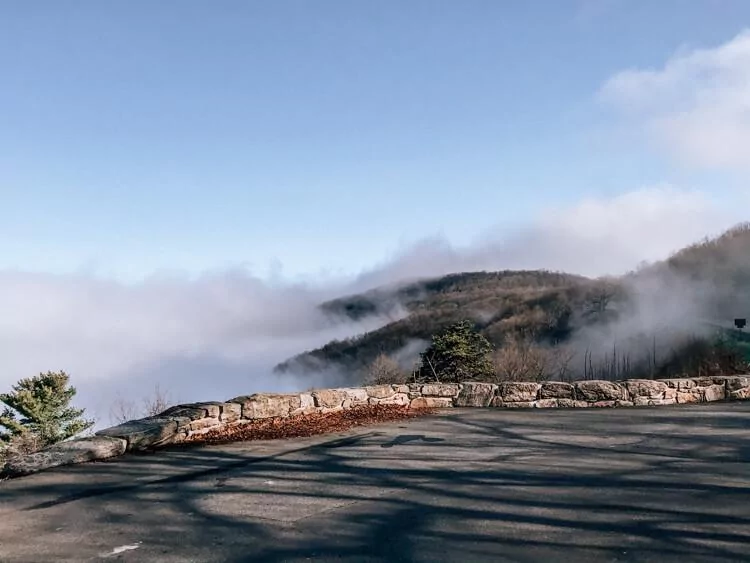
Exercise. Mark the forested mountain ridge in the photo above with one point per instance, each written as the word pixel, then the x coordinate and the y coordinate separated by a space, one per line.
pixel 538 302
pixel 541 306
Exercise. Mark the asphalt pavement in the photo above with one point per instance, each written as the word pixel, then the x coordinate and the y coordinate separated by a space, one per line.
pixel 468 485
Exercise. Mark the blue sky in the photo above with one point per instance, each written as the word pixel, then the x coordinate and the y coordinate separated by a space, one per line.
pixel 261 157
pixel 319 138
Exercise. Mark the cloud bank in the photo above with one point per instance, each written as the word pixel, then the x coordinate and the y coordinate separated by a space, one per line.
pixel 209 337
pixel 218 335
pixel 598 236
pixel 696 107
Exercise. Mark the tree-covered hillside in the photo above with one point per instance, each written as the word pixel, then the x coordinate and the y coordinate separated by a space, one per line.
pixel 537 304
pixel 667 305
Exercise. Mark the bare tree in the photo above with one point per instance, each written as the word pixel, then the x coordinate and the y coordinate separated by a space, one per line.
pixel 384 370
pixel 601 294
pixel 520 359
pixel 156 403
pixel 123 410
pixel 560 358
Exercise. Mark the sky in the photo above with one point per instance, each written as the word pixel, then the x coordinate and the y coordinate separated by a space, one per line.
pixel 181 182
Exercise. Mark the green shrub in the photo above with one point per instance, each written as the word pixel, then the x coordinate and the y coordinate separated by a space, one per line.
pixel 459 353
pixel 40 406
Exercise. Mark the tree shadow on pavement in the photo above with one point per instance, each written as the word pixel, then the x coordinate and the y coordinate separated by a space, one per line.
pixel 472 485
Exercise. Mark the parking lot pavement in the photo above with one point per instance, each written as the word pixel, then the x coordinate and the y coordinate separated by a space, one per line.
pixel 638 484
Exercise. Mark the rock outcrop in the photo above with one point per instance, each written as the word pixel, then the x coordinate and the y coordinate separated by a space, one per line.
pixel 66 453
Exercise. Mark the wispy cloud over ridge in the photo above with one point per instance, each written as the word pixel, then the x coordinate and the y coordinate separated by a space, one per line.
pixel 696 107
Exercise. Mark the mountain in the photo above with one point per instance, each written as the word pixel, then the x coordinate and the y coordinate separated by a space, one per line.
pixel 673 300
pixel 538 302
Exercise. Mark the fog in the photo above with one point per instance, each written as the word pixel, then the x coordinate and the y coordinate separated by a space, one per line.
pixel 666 309
pixel 218 335
pixel 205 338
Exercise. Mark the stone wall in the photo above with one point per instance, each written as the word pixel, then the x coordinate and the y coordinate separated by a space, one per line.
pixel 177 423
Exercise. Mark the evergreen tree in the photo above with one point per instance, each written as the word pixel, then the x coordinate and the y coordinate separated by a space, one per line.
pixel 457 354
pixel 41 405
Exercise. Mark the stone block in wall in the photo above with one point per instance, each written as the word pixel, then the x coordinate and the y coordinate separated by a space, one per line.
pixel 431 403
pixel 191 412
pixel 703 381
pixel 66 453
pixel 306 405
pixel 546 403
pixel 645 388
pixel 497 402
pixel 648 402
pixel 670 393
pixel 212 408
pixel 740 394
pixel 737 382
pixel 714 393
pixel 624 404
pixel 663 402
pixel 401 388
pixel 146 432
pixel 604 404
pixel 512 391
pixel 689 396
pixel 267 405
pixel 597 390
pixel 203 424
pixel 556 390
pixel 440 390
pixel 679 383
pixel 475 395
pixel 380 391
pixel 572 404
pixel 230 412
pixel 401 399
pixel 357 395
pixel 727 380
pixel 329 398
pixel 671 383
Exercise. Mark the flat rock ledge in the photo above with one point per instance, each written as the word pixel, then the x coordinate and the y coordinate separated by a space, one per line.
pixel 66 453
pixel 179 423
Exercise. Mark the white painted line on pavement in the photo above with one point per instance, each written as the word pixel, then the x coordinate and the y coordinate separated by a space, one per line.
pixel 122 549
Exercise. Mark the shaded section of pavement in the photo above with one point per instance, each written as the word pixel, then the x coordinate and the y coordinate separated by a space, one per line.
pixel 651 484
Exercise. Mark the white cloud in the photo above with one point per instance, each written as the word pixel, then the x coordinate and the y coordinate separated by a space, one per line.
pixel 219 335
pixel 208 338
pixel 597 236
pixel 697 106
pixel 646 224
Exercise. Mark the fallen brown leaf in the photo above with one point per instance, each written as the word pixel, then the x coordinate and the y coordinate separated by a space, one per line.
pixel 307 425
